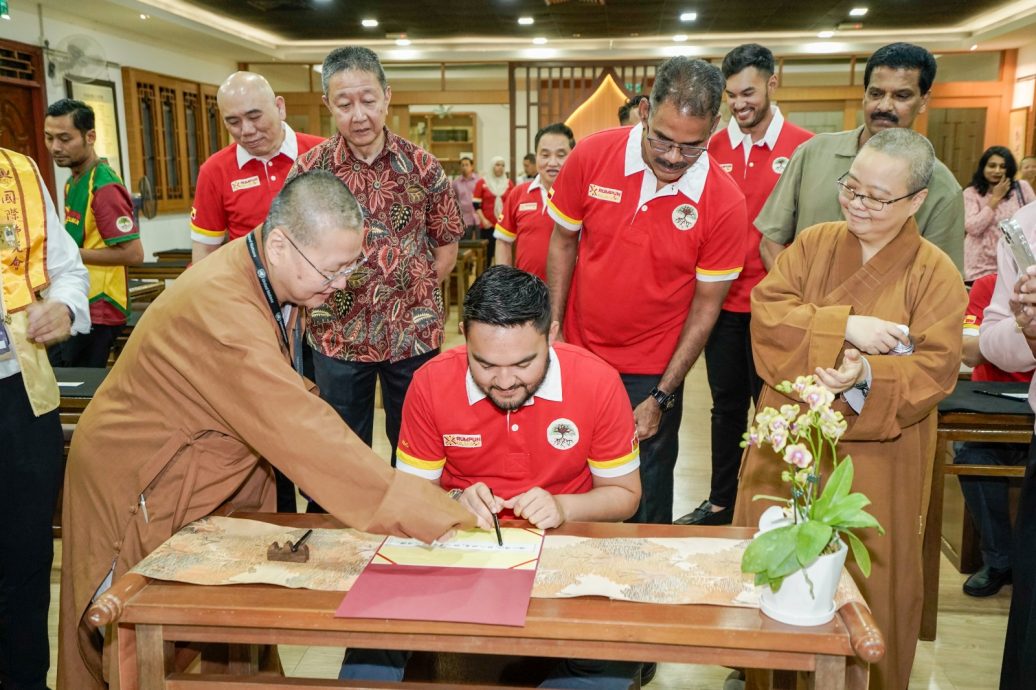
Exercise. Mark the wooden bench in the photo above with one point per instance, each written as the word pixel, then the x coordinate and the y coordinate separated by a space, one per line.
pixel 967 416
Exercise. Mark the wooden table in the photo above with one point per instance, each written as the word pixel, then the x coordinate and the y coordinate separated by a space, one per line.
pixel 75 399
pixel 173 255
pixel 158 270
pixel 967 416
pixel 152 614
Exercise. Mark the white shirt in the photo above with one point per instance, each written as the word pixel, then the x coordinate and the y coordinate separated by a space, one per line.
pixel 289 147
pixel 691 184
pixel 744 139
pixel 69 281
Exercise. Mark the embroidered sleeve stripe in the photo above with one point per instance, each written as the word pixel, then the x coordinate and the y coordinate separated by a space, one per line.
pixel 715 276
pixel 608 464
pixel 502 233
pixel 618 470
pixel 561 219
pixel 418 463
pixel 111 241
pixel 207 236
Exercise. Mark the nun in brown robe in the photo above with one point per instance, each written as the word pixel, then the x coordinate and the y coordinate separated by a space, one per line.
pixel 806 320
pixel 206 388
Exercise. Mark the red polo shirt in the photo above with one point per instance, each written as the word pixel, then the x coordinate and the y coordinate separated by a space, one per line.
pixel 525 217
pixel 642 251
pixel 235 190
pixel 756 177
pixel 579 424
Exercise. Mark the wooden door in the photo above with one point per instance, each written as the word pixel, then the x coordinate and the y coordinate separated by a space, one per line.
pixel 958 135
pixel 22 105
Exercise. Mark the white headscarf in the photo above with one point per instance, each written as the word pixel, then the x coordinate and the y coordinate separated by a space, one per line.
pixel 497 185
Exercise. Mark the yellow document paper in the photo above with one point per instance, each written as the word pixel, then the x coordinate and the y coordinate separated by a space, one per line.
pixel 468 549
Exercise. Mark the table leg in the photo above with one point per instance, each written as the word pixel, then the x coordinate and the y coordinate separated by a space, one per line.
pixel 931 546
pixel 154 657
pixel 830 673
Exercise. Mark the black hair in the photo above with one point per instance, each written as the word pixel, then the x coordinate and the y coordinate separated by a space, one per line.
pixel 979 181
pixel 507 296
pixel 748 55
pixel 632 104
pixel 903 56
pixel 82 114
pixel 555 128
pixel 693 86
pixel 351 58
pixel 531 157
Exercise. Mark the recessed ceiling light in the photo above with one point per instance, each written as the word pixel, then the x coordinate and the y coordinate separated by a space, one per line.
pixel 680 38
pixel 858 12
pixel 402 41
pixel 539 40
pixel 974 46
pixel 526 21
pixel 825 34
pixel 369 23
pixel 145 16
pixel 688 16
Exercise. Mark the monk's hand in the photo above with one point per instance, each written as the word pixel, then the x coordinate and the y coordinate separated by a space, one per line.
pixel 873 335
pixel 49 322
pixel 538 506
pixel 847 375
pixel 647 415
pixel 478 499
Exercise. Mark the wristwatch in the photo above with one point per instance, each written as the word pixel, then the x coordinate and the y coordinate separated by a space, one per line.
pixel 863 387
pixel 665 400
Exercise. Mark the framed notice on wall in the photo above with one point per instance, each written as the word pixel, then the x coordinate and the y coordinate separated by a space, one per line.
pixel 100 95
pixel 1016 129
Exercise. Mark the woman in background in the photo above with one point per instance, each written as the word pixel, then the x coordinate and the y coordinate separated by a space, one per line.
pixel 992 196
pixel 489 195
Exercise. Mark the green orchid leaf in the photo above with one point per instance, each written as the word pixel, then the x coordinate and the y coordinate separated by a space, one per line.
pixel 769 549
pixel 837 487
pixel 844 509
pixel 860 553
pixel 812 538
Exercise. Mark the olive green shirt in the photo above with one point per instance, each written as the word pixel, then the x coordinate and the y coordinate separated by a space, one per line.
pixel 806 195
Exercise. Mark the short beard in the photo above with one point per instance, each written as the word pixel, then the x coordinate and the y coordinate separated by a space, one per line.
pixel 530 391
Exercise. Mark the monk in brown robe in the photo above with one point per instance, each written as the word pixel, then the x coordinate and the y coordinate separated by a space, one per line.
pixel 832 306
pixel 205 388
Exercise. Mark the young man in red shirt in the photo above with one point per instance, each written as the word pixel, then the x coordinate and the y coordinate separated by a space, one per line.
pixel 519 425
pixel 753 149
pixel 525 212
pixel 660 232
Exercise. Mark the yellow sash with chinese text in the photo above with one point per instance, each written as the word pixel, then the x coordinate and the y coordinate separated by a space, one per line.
pixel 23 264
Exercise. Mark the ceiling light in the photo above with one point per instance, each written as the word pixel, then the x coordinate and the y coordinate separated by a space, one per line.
pixel 369 23
pixel 858 12
pixel 539 40
pixel 680 38
pixel 526 21
pixel 145 16
pixel 974 46
pixel 688 16
pixel 825 34
pixel 402 42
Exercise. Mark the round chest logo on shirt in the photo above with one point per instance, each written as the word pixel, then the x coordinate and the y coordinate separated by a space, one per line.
pixel 124 224
pixel 685 216
pixel 562 433
pixel 779 164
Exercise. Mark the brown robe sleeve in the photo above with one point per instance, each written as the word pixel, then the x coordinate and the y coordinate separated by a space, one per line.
pixel 269 407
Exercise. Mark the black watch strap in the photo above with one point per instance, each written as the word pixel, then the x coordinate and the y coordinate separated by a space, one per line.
pixel 665 400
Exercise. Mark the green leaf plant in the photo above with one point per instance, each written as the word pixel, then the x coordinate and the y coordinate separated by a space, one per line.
pixel 821 517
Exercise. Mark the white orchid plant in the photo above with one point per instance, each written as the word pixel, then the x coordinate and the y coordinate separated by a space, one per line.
pixel 818 518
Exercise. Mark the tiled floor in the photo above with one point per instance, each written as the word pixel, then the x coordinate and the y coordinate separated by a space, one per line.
pixel 971 631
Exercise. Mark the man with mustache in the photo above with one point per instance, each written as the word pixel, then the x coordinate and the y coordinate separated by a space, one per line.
pixel 754 148
pixel 897 85
pixel 660 232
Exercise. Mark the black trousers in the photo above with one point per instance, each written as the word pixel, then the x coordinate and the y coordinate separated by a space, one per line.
pixel 349 387
pixel 86 349
pixel 31 470
pixel 734 385
pixel 1018 670
pixel 657 454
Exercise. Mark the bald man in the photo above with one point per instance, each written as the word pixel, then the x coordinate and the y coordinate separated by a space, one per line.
pixel 237 184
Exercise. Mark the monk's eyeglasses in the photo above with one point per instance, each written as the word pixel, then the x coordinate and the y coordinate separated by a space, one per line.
pixel 328 277
pixel 869 202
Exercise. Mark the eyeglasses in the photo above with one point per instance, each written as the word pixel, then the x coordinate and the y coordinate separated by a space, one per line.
pixel 328 278
pixel 869 202
pixel 661 146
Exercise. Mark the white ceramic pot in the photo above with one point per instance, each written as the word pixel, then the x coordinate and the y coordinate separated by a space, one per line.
pixel 794 604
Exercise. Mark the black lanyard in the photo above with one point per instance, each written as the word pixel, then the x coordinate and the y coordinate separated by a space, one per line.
pixel 271 301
